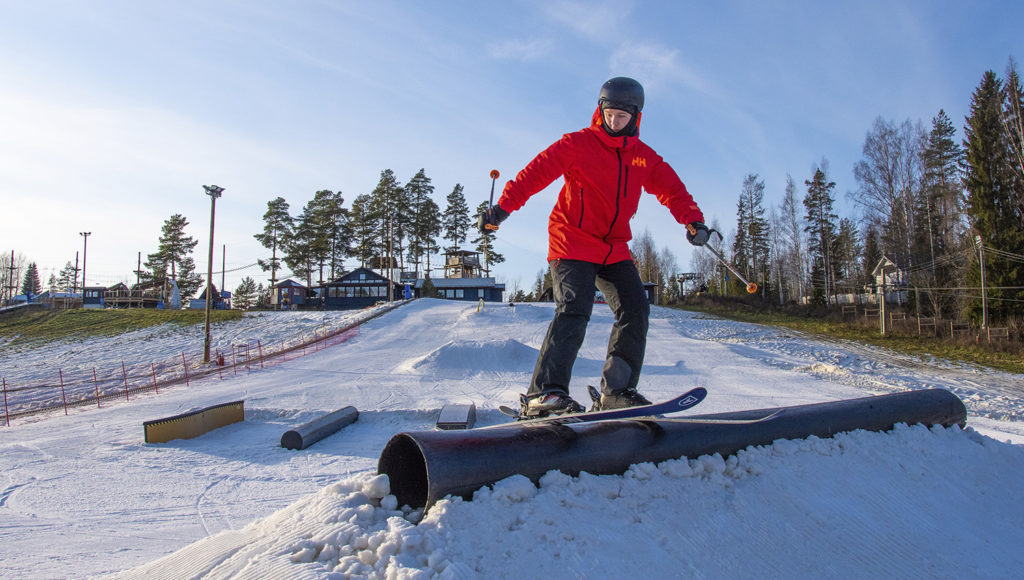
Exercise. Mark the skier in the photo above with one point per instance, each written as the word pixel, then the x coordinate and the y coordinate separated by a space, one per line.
pixel 604 167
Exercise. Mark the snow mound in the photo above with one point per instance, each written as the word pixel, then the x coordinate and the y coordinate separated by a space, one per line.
pixel 470 357
pixel 882 504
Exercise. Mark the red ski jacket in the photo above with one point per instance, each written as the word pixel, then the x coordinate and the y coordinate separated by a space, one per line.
pixel 603 176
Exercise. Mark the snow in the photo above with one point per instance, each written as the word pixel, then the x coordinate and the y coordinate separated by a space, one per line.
pixel 83 495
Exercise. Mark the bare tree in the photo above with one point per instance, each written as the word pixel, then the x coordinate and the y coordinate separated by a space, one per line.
pixel 889 176
pixel 793 269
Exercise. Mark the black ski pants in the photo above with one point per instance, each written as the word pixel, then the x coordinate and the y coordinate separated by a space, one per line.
pixel 574 283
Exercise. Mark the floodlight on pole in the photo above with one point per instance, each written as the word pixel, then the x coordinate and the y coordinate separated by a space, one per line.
pixel 214 191
pixel 85 250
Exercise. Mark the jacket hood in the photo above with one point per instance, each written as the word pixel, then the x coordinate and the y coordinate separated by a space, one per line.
pixel 597 121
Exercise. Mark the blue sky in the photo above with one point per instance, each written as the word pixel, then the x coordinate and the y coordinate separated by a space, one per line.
pixel 114 114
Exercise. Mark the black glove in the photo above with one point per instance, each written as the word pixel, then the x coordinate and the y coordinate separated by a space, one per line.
pixel 490 219
pixel 697 233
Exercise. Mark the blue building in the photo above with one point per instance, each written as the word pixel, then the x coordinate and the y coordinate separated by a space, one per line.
pixel 359 288
pixel 469 289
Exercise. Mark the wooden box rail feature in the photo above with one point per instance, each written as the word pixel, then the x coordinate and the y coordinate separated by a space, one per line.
pixel 193 423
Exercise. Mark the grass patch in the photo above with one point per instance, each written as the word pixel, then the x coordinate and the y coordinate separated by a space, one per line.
pixel 1007 357
pixel 50 325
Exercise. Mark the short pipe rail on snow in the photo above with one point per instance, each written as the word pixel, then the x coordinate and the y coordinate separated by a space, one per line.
pixel 305 435
pixel 425 466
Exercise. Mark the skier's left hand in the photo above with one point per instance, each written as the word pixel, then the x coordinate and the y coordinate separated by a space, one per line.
pixel 697 233
pixel 490 219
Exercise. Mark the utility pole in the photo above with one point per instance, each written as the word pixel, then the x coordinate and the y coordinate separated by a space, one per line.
pixel 984 295
pixel 223 266
pixel 74 287
pixel 391 257
pixel 85 254
pixel 138 282
pixel 214 192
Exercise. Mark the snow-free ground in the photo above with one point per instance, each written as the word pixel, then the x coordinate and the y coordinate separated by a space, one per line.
pixel 83 495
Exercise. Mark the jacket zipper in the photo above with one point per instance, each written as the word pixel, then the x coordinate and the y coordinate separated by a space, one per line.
pixel 620 189
pixel 580 225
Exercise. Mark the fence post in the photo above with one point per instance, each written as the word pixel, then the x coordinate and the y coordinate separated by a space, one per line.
pixel 96 384
pixel 62 395
pixel 220 365
pixel 259 346
pixel 234 359
pixel 124 373
pixel 152 366
pixel 184 363
pixel 7 413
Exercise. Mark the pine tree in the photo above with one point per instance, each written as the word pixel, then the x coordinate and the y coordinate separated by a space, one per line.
pixel 821 231
pixel 173 259
pixel 848 259
pixel 301 247
pixel 262 296
pixel 1013 130
pixel 363 230
pixel 246 294
pixel 992 202
pixel 31 285
pixel 278 225
pixel 66 279
pixel 455 220
pixel 484 243
pixel 424 218
pixel 428 290
pixel 329 228
pixel 943 232
pixel 872 253
pixel 384 204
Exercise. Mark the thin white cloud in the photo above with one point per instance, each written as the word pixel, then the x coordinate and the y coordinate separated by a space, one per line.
pixel 657 66
pixel 598 21
pixel 521 50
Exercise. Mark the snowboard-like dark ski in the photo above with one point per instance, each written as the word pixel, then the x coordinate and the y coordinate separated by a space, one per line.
pixel 683 402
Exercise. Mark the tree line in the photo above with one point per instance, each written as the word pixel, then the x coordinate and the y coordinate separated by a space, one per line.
pixel 394 226
pixel 943 211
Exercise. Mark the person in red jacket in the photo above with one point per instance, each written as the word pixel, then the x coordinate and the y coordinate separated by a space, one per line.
pixel 604 168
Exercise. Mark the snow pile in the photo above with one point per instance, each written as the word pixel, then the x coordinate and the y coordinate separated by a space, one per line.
pixel 903 504
pixel 468 358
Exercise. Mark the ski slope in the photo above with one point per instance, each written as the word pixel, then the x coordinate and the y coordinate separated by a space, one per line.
pixel 83 495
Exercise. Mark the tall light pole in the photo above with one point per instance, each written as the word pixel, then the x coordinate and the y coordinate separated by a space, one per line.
pixel 214 192
pixel 85 252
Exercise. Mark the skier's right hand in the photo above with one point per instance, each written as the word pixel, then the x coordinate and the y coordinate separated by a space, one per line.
pixel 490 219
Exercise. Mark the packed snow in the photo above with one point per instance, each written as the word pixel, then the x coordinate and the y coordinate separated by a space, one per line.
pixel 83 495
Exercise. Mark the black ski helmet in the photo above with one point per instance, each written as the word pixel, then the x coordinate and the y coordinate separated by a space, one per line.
pixel 622 93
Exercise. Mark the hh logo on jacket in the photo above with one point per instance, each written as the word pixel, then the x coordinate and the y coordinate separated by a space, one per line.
pixel 639 162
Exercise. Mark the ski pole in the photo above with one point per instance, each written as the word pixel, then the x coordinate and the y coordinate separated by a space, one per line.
pixel 751 287
pixel 494 178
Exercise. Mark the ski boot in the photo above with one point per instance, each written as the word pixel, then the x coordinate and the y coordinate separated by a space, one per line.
pixel 618 400
pixel 547 404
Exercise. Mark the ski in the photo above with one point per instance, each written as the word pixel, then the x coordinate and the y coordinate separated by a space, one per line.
pixel 683 402
pixel 712 421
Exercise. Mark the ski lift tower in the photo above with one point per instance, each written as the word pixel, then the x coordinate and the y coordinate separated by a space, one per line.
pixel 461 264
